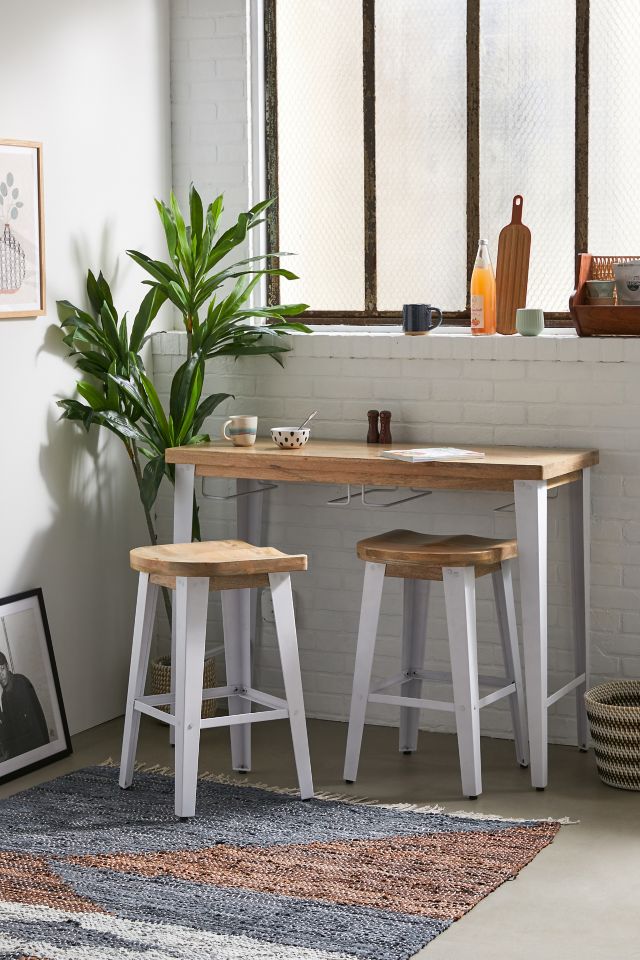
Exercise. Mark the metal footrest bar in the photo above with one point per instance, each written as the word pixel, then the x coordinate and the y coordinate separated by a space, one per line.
pixel 237 718
pixel 568 687
pixel 264 486
pixel 497 695
pixel 363 491
pixel 412 702
pixel 434 676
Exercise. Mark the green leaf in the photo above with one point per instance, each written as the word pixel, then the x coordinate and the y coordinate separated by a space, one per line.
pixel 181 387
pixel 196 216
pixel 194 397
pixel 109 327
pixel 154 401
pixel 151 480
pixel 207 406
pixel 93 396
pixel 169 228
pixel 95 297
pixel 145 316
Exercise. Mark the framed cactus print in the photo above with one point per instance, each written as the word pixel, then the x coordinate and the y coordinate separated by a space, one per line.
pixel 22 271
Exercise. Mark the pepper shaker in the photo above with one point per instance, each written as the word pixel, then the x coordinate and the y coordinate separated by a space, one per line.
pixel 373 435
pixel 385 426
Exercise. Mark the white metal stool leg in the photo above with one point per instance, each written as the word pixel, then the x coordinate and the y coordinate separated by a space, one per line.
pixel 414 626
pixel 460 600
pixel 369 615
pixel 236 622
pixel 580 518
pixel 282 598
pixel 142 633
pixel 192 596
pixel 505 606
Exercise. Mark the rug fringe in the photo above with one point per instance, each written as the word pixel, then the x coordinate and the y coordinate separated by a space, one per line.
pixel 432 808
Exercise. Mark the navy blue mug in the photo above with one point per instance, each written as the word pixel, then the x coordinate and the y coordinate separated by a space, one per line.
pixel 420 318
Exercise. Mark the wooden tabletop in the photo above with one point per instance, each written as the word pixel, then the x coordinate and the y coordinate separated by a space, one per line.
pixel 348 461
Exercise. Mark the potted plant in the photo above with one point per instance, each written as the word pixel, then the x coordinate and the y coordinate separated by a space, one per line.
pixel 116 391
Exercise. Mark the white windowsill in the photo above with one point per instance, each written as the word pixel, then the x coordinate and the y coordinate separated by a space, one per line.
pixel 457 343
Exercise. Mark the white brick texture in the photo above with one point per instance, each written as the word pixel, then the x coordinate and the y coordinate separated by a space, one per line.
pixel 443 388
pixel 209 98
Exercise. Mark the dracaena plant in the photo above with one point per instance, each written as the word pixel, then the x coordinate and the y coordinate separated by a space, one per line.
pixel 219 321
pixel 116 391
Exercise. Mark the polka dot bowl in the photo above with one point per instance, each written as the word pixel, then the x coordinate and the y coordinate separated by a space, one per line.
pixel 290 438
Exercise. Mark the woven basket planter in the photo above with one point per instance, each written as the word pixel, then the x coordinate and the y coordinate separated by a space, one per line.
pixel 614 714
pixel 160 682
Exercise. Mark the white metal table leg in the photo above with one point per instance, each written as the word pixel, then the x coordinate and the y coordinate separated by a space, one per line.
pixel 142 633
pixel 192 598
pixel 282 597
pixel 249 509
pixel 237 654
pixel 182 532
pixel 369 615
pixel 531 525
pixel 414 627
pixel 580 533
pixel 460 601
pixel 505 606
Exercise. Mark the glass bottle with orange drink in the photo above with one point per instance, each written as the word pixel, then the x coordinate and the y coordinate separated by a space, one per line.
pixel 483 293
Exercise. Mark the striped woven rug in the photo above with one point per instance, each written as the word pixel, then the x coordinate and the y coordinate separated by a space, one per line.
pixel 89 871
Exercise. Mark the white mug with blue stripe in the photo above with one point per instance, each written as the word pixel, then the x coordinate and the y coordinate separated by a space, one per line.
pixel 242 430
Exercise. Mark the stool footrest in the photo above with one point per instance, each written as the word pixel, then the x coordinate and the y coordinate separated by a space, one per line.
pixel 568 687
pixel 277 708
pixel 412 702
pixel 497 695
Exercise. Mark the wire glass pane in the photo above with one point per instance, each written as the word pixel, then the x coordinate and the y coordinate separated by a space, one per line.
pixel 614 136
pixel 527 135
pixel 421 152
pixel 320 145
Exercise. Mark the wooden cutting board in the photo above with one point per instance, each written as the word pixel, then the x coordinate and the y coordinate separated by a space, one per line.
pixel 512 273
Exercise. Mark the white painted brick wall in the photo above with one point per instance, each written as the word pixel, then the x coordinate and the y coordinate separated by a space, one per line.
pixel 210 143
pixel 444 388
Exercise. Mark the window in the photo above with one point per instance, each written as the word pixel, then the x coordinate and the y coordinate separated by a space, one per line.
pixel 398 132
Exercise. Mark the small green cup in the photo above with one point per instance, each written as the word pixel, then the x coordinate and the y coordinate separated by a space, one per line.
pixel 529 322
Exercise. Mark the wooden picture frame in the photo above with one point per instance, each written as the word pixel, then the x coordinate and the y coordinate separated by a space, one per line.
pixel 22 262
pixel 33 725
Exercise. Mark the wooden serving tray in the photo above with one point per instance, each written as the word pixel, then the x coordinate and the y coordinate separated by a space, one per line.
pixel 601 321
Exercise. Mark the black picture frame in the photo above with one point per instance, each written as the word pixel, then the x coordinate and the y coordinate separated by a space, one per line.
pixel 41 690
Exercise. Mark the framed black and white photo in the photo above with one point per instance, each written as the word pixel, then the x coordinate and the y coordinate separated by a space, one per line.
pixel 33 726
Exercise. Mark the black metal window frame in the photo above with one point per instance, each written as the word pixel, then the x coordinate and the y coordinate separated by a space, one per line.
pixel 371 315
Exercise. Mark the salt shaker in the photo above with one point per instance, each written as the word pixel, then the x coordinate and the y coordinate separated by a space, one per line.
pixel 385 426
pixel 373 435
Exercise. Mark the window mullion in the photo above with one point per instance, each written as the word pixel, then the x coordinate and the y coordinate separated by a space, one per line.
pixel 582 127
pixel 369 107
pixel 473 136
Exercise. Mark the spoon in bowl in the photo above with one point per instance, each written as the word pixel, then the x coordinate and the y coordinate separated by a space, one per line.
pixel 310 417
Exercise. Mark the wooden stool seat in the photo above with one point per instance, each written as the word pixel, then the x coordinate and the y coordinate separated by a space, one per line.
pixel 422 555
pixel 213 559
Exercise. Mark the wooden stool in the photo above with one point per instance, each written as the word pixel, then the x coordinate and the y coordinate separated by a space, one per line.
pixel 418 558
pixel 193 569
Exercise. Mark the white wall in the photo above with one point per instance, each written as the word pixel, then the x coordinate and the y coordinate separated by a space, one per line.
pixel 90 79
pixel 209 102
pixel 446 388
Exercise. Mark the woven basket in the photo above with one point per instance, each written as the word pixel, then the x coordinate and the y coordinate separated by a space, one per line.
pixel 614 714
pixel 160 682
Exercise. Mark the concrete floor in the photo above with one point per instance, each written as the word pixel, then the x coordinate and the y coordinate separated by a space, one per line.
pixel 580 898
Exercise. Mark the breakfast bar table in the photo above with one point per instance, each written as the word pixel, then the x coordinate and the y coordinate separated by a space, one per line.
pixel 526 472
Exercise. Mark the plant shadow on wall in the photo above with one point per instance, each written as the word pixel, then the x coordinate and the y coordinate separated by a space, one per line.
pixel 116 391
